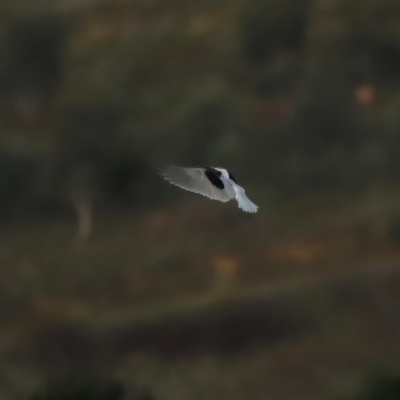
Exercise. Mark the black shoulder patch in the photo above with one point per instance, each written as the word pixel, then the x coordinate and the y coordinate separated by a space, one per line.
pixel 231 177
pixel 213 176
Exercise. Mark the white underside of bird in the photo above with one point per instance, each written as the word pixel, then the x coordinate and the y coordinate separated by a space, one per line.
pixel 214 183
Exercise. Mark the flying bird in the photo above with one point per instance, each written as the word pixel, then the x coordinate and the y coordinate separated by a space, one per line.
pixel 214 183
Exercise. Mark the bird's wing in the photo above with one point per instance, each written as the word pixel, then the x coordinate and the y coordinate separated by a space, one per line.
pixel 243 201
pixel 194 180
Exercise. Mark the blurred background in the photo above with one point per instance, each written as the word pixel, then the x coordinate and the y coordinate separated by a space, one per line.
pixel 115 284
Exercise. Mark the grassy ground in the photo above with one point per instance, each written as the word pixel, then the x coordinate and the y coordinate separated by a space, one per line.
pixel 199 301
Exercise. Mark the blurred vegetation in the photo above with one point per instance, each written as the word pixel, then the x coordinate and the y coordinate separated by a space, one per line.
pixel 379 385
pixel 72 389
pixel 69 388
pixel 298 95
pixel 299 98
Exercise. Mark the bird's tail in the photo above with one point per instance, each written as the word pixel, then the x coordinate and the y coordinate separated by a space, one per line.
pixel 244 203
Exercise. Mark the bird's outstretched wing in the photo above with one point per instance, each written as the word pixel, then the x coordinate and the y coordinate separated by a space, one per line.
pixel 243 201
pixel 195 180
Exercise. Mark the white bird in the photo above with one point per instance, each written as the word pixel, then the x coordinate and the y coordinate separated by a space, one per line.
pixel 214 183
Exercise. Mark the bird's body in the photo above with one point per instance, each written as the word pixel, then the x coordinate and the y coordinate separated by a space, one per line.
pixel 214 183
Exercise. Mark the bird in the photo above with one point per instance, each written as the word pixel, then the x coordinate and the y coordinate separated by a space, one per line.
pixel 214 183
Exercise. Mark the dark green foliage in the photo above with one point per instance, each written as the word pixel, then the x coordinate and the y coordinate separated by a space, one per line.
pixel 87 389
pixel 33 54
pixel 90 132
pixel 74 389
pixel 265 86
pixel 378 385
pixel 20 170
pixel 372 44
pixel 274 36
pixel 394 231
pixel 273 27
pixel 91 137
pixel 384 388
